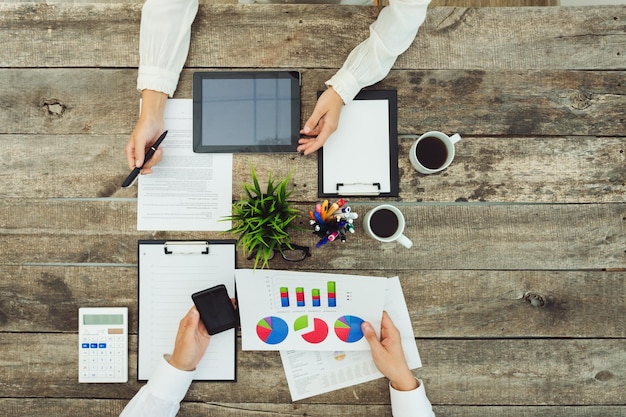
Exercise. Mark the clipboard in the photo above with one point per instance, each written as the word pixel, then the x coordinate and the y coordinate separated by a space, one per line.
pixel 169 272
pixel 360 158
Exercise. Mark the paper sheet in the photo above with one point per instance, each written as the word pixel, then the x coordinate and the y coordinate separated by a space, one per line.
pixel 166 283
pixel 312 373
pixel 187 190
pixel 357 153
pixel 306 311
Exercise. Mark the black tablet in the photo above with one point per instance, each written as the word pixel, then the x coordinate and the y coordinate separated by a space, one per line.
pixel 254 111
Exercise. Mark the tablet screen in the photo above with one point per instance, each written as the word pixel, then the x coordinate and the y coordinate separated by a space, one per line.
pixel 246 111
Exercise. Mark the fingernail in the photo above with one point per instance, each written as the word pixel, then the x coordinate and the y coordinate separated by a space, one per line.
pixel 306 129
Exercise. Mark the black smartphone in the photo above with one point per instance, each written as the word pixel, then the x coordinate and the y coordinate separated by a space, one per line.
pixel 216 309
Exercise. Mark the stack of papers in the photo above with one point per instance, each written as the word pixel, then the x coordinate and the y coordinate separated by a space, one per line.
pixel 314 320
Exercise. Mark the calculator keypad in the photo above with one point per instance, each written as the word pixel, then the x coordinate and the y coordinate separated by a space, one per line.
pixel 102 358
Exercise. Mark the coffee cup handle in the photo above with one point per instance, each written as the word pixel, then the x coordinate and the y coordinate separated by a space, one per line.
pixel 404 241
pixel 455 138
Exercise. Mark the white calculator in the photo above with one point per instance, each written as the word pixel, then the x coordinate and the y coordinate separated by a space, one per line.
pixel 103 344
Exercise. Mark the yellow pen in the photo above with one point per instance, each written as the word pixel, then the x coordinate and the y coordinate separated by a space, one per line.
pixel 336 205
pixel 324 213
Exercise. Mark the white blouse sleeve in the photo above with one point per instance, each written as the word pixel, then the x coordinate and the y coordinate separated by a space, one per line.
pixel 164 38
pixel 390 35
pixel 410 403
pixel 162 395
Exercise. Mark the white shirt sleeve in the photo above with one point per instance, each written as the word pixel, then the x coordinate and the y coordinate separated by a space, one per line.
pixel 390 35
pixel 410 403
pixel 162 395
pixel 164 37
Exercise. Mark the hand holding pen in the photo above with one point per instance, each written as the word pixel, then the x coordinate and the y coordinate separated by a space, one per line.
pixel 135 172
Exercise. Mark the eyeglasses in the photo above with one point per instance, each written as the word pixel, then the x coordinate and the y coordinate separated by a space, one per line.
pixel 291 253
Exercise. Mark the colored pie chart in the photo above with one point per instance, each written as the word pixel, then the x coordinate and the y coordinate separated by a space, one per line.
pixel 317 335
pixel 272 330
pixel 348 328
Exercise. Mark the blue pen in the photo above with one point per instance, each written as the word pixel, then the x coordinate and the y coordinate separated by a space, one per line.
pixel 318 217
pixel 322 242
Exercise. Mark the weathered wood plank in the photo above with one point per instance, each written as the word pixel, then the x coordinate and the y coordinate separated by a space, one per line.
pixel 441 303
pixel 526 371
pixel 52 407
pixel 456 236
pixel 286 36
pixel 493 3
pixel 104 102
pixel 486 169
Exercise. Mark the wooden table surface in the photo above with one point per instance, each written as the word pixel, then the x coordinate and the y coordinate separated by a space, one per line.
pixel 532 207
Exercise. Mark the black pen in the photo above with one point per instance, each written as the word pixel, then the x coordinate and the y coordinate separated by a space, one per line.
pixel 133 174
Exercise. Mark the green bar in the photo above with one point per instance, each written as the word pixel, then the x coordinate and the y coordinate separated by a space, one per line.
pixel 331 286
pixel 315 291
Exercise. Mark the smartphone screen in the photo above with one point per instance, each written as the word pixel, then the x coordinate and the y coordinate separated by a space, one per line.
pixel 216 309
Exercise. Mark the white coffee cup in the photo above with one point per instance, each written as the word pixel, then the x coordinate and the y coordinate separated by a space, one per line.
pixel 433 152
pixel 385 223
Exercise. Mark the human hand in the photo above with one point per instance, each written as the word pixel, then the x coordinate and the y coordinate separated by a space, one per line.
pixel 192 341
pixel 148 128
pixel 388 354
pixel 322 123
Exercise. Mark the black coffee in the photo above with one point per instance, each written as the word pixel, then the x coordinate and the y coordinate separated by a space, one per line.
pixel 384 223
pixel 431 152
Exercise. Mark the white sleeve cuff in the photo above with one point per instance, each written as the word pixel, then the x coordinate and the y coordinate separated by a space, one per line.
pixel 157 79
pixel 410 403
pixel 344 83
pixel 168 383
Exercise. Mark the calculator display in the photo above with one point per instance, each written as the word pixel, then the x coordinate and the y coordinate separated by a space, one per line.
pixel 104 319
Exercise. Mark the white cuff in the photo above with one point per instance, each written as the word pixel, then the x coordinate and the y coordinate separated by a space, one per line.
pixel 344 83
pixel 157 79
pixel 169 383
pixel 410 403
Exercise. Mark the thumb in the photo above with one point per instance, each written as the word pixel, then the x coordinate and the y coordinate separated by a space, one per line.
pixel 370 335
pixel 313 121
pixel 139 156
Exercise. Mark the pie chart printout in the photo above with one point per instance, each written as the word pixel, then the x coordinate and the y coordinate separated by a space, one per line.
pixel 348 328
pixel 319 332
pixel 272 330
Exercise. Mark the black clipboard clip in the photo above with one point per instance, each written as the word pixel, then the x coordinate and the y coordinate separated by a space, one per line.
pixel 358 188
pixel 186 248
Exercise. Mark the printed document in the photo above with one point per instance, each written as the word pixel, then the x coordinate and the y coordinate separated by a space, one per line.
pixel 187 190
pixel 283 310
pixel 312 373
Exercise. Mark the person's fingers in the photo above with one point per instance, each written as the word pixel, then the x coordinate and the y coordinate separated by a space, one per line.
pixel 130 154
pixel 188 319
pixel 370 335
pixel 139 155
pixel 311 132
pixel 312 123
pixel 156 158
pixel 197 323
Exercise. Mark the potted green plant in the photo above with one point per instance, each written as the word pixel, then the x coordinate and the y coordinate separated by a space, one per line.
pixel 261 219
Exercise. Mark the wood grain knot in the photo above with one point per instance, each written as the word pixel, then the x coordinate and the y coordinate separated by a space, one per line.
pixel 604 376
pixel 580 100
pixel 54 107
pixel 534 299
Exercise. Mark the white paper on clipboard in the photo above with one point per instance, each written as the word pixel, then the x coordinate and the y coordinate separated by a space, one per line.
pixel 169 272
pixel 361 157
